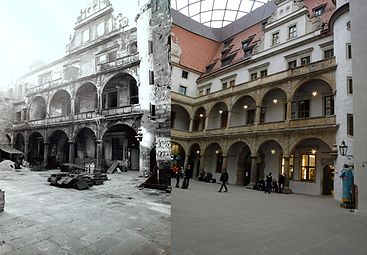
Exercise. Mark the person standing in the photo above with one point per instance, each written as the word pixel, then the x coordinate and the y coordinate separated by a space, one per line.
pixel 188 175
pixel 176 171
pixel 281 183
pixel 269 180
pixel 223 179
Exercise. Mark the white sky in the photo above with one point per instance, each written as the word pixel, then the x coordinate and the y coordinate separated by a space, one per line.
pixel 40 29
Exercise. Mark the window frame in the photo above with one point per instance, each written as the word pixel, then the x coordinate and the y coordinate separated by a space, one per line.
pixel 350 124
pixel 184 74
pixel 331 107
pixel 292 34
pixel 182 90
pixel 349 85
pixel 348 49
pixel 277 33
pixel 308 167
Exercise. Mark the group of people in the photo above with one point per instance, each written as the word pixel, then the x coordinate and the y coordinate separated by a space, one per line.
pixel 186 174
pixel 270 184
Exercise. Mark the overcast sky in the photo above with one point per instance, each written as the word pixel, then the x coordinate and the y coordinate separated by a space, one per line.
pixel 40 29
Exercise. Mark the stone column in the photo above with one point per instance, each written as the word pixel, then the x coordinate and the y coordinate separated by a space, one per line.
pixel 206 122
pixel 186 160
pixel 99 153
pixel 253 177
pixel 71 151
pixel 257 114
pixel 289 110
pixel 191 124
pixel 286 188
pixel 45 152
pixel 225 161
pixel 201 164
pixel 26 151
pixel 72 106
pixel 228 118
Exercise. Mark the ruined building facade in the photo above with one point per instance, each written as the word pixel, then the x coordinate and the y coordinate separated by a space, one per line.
pixel 97 103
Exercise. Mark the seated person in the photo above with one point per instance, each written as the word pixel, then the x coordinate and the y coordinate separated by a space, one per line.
pixel 202 175
pixel 208 177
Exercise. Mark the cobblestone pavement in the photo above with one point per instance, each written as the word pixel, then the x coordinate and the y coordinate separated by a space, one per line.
pixel 114 218
pixel 250 222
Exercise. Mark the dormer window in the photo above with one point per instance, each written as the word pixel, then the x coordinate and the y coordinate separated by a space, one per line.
pixel 227 60
pixel 228 42
pixel 318 11
pixel 247 49
pixel 209 67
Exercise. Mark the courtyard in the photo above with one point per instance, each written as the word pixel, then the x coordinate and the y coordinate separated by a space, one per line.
pixel 114 218
pixel 244 221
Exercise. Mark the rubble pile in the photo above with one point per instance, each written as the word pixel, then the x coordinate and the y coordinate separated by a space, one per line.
pixel 77 181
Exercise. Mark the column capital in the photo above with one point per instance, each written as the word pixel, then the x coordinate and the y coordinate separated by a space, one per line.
pixel 99 141
pixel 71 142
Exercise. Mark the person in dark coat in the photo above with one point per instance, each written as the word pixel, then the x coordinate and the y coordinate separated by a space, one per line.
pixel 223 179
pixel 281 183
pixel 187 176
pixel 177 172
pixel 269 180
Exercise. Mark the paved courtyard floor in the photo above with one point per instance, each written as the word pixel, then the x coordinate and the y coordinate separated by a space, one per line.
pixel 114 218
pixel 250 222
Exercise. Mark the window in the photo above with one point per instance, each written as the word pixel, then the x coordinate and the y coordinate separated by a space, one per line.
pixel 225 85
pixel 18 116
pixel 304 109
pixel 308 167
pixel 227 60
pixel 100 29
pixel 231 83
pixel 85 36
pixel 207 91
pixel 182 90
pixel 24 114
pixel 247 52
pixel 42 79
pixel 263 73
pixel 275 39
pixel 350 129
pixel 291 167
pixel 209 67
pixel 319 11
pixel 101 59
pixel 151 77
pixel 329 53
pixel 150 47
pixel 184 74
pixel 292 64
pixel 112 99
pixel 329 105
pixel 223 119
pixel 227 43
pixel 292 32
pixel 305 60
pixel 349 51
pixel 350 85
pixel 253 76
pixel 250 116
pixel 201 92
pixel 152 111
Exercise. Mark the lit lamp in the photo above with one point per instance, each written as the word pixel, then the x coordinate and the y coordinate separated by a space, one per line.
pixel 220 111
pixel 201 115
pixel 198 152
pixel 275 100
pixel 314 93
pixel 245 106
pixel 272 151
pixel 313 151
pixel 343 148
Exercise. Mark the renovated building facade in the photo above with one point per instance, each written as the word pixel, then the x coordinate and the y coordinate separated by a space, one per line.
pixel 263 94
pixel 97 103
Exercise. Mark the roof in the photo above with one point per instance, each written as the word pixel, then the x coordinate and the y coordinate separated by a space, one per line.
pixel 197 50
pixel 9 150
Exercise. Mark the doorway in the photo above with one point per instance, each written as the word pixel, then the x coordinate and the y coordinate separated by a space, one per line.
pixel 328 180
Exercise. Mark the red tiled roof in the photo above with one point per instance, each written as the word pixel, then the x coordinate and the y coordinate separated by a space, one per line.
pixel 197 51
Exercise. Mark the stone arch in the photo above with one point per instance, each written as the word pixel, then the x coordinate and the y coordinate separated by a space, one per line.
pixel 58 148
pixel 311 136
pixel 308 80
pixel 86 98
pixel 129 123
pixel 218 116
pixel 194 159
pixel 35 147
pixel 273 105
pixel 239 163
pixel 213 157
pixel 269 152
pixel 19 142
pixel 243 111
pixel 313 98
pixel 60 103
pixel 199 117
pixel 37 108
pixel 8 140
pixel 180 117
pixel 121 89
pixel 52 132
pixel 178 153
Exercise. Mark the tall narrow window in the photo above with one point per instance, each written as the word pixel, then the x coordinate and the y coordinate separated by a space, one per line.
pixel 150 47
pixel 151 77
pixel 304 109
pixel 349 51
pixel 308 167
pixel 305 60
pixel 292 32
pixel 184 74
pixel 291 167
pixel 275 38
pixel 350 128
pixel 350 85
pixel 182 90
pixel 329 105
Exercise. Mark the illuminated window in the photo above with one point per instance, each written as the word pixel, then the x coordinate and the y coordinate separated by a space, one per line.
pixel 308 167
pixel 291 167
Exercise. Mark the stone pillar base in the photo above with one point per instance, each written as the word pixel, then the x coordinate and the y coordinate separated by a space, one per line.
pixel 287 190
pixel 250 186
